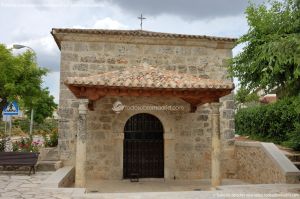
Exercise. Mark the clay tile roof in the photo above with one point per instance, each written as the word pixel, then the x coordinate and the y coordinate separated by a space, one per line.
pixel 138 33
pixel 149 77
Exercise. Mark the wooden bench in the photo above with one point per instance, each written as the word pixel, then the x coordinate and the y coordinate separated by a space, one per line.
pixel 19 159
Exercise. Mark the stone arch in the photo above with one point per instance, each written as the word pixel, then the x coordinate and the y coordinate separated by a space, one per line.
pixel 143 140
pixel 168 123
pixel 166 119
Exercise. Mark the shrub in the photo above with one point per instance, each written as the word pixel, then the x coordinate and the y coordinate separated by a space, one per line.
pixel 38 128
pixel 51 140
pixel 278 122
pixel 27 145
pixel 2 143
pixel 294 138
pixel 23 124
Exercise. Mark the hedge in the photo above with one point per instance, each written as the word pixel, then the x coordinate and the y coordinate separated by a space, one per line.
pixel 278 122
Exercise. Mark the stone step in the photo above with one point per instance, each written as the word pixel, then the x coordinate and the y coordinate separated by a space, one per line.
pixel 49 165
pixel 49 154
pixel 293 157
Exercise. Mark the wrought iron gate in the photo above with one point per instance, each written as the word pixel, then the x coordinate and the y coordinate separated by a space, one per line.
pixel 143 147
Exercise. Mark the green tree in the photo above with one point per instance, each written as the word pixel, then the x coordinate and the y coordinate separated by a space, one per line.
pixel 271 56
pixel 43 106
pixel 21 80
pixel 243 96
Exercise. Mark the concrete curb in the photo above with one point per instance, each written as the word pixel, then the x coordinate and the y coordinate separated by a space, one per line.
pixel 63 177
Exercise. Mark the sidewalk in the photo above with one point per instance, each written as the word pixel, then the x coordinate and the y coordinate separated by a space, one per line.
pixel 21 186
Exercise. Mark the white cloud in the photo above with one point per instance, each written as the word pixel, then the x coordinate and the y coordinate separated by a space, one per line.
pixel 105 23
pixel 109 23
pixel 78 27
pixel 46 50
pixel 46 44
pixel 52 82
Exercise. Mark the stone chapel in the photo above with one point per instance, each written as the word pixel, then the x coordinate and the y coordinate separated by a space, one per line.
pixel 141 104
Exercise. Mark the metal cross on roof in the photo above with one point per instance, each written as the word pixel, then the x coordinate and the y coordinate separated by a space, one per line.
pixel 141 18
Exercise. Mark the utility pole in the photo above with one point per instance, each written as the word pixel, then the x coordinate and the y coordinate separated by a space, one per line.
pixel 31 122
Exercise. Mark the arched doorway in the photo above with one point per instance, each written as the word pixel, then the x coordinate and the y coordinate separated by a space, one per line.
pixel 143 147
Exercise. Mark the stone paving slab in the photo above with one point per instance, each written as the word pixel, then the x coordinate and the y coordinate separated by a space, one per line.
pixel 21 186
pixel 153 185
pixel 152 195
pixel 192 195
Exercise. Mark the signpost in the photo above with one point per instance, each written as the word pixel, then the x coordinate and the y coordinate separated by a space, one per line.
pixel 9 110
pixel 5 119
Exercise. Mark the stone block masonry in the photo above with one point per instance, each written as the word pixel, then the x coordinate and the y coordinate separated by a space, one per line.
pixel 187 136
pixel 264 163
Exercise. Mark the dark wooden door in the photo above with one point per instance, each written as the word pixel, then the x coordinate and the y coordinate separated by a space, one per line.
pixel 143 147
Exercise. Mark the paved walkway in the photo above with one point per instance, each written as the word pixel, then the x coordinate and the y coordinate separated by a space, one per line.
pixel 153 185
pixel 19 186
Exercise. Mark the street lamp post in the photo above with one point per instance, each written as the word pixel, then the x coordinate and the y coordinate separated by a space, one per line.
pixel 18 46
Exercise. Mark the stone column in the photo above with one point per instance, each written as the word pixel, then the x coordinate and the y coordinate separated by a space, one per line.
pixel 80 169
pixel 216 146
pixel 169 155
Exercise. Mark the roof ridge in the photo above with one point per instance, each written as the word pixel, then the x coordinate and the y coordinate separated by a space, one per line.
pixel 139 32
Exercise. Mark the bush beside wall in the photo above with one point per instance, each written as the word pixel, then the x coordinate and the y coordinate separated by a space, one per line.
pixel 278 122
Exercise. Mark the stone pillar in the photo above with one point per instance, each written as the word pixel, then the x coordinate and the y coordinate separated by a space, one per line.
pixel 169 156
pixel 216 146
pixel 80 177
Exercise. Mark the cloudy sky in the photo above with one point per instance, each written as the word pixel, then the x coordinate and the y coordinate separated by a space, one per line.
pixel 29 22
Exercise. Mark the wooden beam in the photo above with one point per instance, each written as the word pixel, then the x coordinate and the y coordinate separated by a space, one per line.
pixel 194 102
pixel 82 91
pixel 194 97
pixel 92 94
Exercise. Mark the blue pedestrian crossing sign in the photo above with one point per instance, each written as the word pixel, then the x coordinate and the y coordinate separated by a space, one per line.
pixel 11 108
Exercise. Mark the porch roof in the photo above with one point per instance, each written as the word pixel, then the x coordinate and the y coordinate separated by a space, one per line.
pixel 149 81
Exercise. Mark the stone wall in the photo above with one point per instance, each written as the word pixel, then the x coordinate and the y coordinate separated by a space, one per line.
pixel 264 163
pixel 186 139
pixel 187 135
